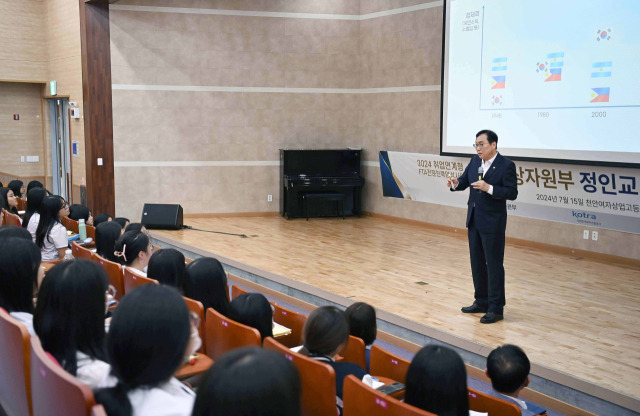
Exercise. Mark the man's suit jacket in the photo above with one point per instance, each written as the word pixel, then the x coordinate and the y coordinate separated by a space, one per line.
pixel 490 210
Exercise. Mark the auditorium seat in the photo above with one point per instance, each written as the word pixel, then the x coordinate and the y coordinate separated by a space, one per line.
pixel 91 232
pixel 197 308
pixel 355 352
pixel 223 334
pixel 22 204
pixel 383 363
pixel 115 273
pixel 15 385
pixel 362 400
pixel 71 225
pixel 482 402
pixel 132 280
pixel 237 291
pixel 54 391
pixel 292 320
pixel 11 219
pixel 80 252
pixel 317 380
pixel 98 410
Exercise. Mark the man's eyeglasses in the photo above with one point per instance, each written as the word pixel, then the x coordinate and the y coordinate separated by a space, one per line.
pixel 479 145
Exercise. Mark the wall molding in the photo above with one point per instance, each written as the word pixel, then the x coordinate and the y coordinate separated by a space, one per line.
pixel 251 13
pixel 286 90
pixel 202 163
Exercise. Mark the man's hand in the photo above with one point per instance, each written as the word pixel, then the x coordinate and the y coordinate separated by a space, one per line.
pixel 452 182
pixel 481 185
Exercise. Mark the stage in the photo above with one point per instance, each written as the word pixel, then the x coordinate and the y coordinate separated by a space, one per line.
pixel 577 319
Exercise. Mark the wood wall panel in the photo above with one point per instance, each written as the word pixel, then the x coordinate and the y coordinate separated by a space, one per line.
pixel 96 87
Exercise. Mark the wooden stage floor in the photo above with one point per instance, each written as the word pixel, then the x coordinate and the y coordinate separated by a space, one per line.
pixel 573 315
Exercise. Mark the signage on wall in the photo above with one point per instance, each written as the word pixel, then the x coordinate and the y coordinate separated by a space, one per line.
pixel 16 116
pixel 74 148
pixel 53 87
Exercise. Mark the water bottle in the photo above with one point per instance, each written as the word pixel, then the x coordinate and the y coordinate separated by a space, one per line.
pixel 82 229
pixel 67 255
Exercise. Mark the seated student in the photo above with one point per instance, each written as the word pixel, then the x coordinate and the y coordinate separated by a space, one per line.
pixel 34 184
pixel 20 273
pixel 168 268
pixel 136 226
pixel 362 324
pixel 17 186
pixel 9 201
pixel 206 282
pixel 124 222
pixel 77 212
pixel 324 334
pixel 69 318
pixel 437 382
pixel 32 213
pixel 100 218
pixel 51 235
pixel 107 235
pixel 7 231
pixel 150 337
pixel 250 382
pixel 508 368
pixel 254 310
pixel 134 250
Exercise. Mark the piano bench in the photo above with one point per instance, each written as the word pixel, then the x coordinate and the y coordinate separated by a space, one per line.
pixel 325 196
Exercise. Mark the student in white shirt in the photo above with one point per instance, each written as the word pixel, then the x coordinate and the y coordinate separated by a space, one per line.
pixel 9 201
pixel 107 235
pixel 32 213
pixel 19 271
pixel 51 235
pixel 250 382
pixel 152 334
pixel 437 382
pixel 134 250
pixel 69 318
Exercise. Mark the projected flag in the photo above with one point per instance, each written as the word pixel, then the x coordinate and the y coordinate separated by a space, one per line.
pixel 496 100
pixel 600 95
pixel 553 67
pixel 603 34
pixel 601 69
pixel 498 77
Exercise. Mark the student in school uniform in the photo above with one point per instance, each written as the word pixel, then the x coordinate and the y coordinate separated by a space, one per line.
pixel 167 266
pixel 206 282
pixel 107 235
pixel 362 324
pixel 254 310
pixel 134 250
pixel 51 235
pixel 32 213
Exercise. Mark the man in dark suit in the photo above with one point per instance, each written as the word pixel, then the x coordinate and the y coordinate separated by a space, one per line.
pixel 493 179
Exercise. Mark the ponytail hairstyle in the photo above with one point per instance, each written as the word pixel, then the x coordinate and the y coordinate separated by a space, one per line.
pixel 34 202
pixel 206 282
pixel 168 268
pixel 16 186
pixel 107 235
pixel 325 331
pixel 129 246
pixel 70 312
pixel 140 352
pixel 19 264
pixel 49 210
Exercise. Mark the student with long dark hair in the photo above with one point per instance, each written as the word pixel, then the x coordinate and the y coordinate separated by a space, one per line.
pixel 32 213
pixel 324 334
pixel 78 212
pixel 250 382
pixel 134 250
pixel 107 235
pixel 69 318
pixel 51 235
pixel 17 186
pixel 254 310
pixel 437 382
pixel 34 184
pixel 168 268
pixel 8 231
pixel 20 273
pixel 206 282
pixel 100 218
pixel 150 337
pixel 9 200
pixel 136 226
pixel 362 324
pixel 124 222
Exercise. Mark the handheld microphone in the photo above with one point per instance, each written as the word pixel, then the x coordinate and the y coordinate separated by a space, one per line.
pixel 480 173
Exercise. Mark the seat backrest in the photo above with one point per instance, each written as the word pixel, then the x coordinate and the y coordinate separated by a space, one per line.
pixel 223 334
pixel 98 410
pixel 80 252
pixel 355 352
pixel 317 380
pixel 482 402
pixel 362 400
pixel 114 271
pixel 11 219
pixel 54 392
pixel 72 225
pixel 91 231
pixel 383 363
pixel 132 280
pixel 292 320
pixel 237 291
pixel 15 385
pixel 197 308
pixel 22 204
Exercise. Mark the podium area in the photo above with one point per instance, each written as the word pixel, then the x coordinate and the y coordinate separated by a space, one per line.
pixel 575 318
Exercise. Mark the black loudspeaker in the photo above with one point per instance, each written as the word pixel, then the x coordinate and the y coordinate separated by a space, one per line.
pixel 162 216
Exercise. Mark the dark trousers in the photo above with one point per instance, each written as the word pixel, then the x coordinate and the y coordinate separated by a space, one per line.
pixel 487 256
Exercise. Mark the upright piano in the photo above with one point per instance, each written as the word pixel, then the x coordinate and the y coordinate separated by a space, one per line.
pixel 320 183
